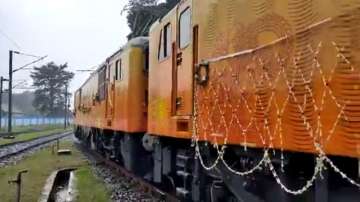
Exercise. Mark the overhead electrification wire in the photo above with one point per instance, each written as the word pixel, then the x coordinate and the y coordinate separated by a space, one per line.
pixel 17 45
pixel 85 70
pixel 25 88
pixel 10 39
pixel 20 84
pixel 27 54
pixel 91 69
pixel 26 65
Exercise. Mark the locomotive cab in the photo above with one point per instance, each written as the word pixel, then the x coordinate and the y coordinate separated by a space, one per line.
pixel 171 84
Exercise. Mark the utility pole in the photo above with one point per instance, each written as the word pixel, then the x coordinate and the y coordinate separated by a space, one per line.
pixel 2 79
pixel 11 71
pixel 1 92
pixel 66 107
pixel 10 91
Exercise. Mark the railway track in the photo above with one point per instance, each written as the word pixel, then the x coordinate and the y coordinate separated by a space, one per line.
pixel 12 149
pixel 121 172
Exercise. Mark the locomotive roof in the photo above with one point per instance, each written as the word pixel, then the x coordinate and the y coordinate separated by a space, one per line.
pixel 141 42
pixel 137 42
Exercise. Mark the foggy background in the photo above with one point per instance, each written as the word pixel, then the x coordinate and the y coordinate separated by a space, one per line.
pixel 80 32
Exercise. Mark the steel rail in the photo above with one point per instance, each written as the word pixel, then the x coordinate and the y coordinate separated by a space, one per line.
pixel 36 143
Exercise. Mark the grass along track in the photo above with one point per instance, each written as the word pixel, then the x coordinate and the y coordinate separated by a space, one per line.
pixel 32 135
pixel 41 164
pixel 34 127
pixel 17 130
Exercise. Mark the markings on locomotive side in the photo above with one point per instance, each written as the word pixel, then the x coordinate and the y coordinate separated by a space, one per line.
pixel 217 134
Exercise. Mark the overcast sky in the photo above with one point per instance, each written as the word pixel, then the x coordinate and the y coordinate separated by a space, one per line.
pixel 80 32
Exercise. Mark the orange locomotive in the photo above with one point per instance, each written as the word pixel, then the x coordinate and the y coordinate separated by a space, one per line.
pixel 242 96
pixel 106 92
pixel 105 104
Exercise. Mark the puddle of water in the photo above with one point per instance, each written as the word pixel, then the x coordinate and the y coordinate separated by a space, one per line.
pixel 60 187
pixel 63 187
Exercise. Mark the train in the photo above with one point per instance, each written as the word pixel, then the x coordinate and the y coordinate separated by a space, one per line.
pixel 233 100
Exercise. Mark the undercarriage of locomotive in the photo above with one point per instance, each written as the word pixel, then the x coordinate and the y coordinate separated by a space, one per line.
pixel 172 165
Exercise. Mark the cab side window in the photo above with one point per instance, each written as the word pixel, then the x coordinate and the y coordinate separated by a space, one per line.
pixel 118 70
pixel 185 28
pixel 165 42
pixel 161 46
pixel 102 83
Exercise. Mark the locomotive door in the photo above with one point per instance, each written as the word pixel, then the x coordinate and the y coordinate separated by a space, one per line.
pixel 110 96
pixel 184 61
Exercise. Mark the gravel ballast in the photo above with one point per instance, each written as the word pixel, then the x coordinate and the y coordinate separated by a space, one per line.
pixel 121 188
